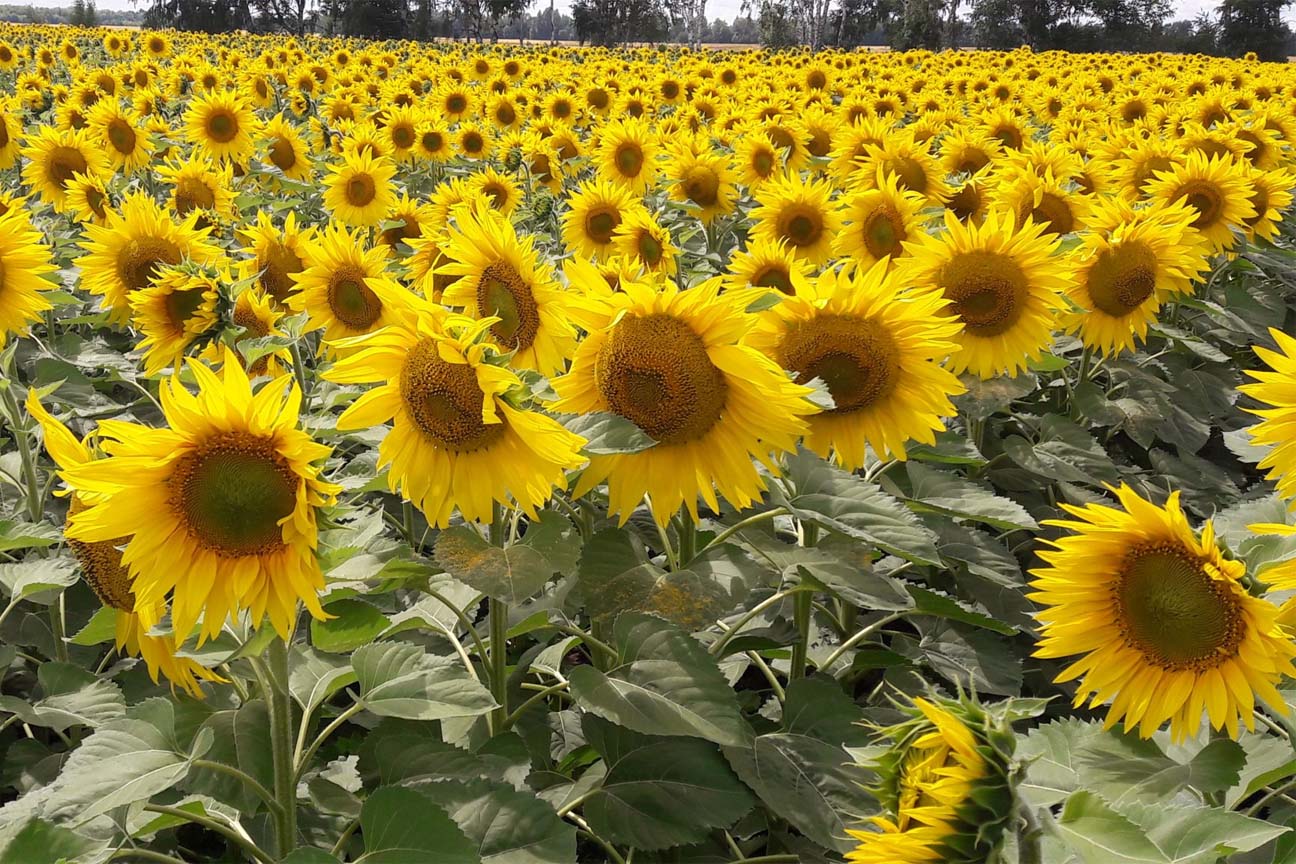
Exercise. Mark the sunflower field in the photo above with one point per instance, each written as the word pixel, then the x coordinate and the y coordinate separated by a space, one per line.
pixel 422 453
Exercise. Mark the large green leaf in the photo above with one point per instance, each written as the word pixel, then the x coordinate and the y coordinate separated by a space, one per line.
pixel 808 782
pixel 404 826
pixel 353 623
pixel 661 792
pixel 27 535
pixel 70 696
pixel 852 506
pixel 509 826
pixel 398 679
pixel 314 677
pixel 948 494
pixel 41 841
pixel 608 434
pixel 511 574
pixel 667 685
pixel 836 564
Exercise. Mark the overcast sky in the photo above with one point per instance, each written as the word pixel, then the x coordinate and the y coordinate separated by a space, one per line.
pixel 727 9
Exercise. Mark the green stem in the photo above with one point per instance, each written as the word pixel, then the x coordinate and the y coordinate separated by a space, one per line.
pixel 521 709
pixel 336 851
pixel 687 531
pixel 282 741
pixel 246 779
pixel 802 605
pixel 56 627
pixel 1028 838
pixel 407 521
pixel 746 523
pixel 299 371
pixel 498 612
pixel 859 637
pixel 588 639
pixel 302 760
pixel 144 855
pixel 672 560
pixel 778 597
pixel 216 827
pixel 23 438
pixel 769 859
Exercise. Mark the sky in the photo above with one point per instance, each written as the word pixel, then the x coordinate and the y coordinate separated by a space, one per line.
pixel 727 9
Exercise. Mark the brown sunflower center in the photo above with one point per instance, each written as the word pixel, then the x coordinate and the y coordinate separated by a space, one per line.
pixel 857 359
pixel 193 194
pixel 222 126
pixel 278 263
pixel 139 258
pixel 909 173
pixel 884 232
pixel 763 163
pixel 282 154
pixel 655 372
pixel 1173 612
pixel 966 203
pixel 432 142
pixel 972 160
pixel 64 162
pixel 102 568
pixel 122 137
pixel 503 293
pixel 600 222
pixel 987 291
pixel 801 225
pixel 629 159
pixel 650 249
pixel 1121 279
pixel 1054 213
pixel 181 306
pixel 1204 197
pixel 456 103
pixel 702 186
pixel 402 135
pixel 444 400
pixel 232 492
pixel 774 276
pixel 351 300
pixel 95 201
pixel 360 190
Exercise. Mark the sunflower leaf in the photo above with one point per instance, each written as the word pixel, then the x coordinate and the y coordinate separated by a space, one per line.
pixel 608 434
pixel 512 574
pixel 398 679
pixel 404 826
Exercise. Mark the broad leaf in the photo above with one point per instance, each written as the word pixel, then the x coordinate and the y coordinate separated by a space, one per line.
pixel 402 680
pixel 511 574
pixel 403 826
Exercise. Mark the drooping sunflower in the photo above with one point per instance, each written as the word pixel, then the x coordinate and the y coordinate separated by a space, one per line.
pixel 1218 188
pixel 672 363
pixel 344 289
pixel 1002 283
pixel 878 221
pixel 945 787
pixel 627 154
pixel 702 179
pixel 102 568
pixel 1130 262
pixel 25 259
pixel 174 312
pixel 642 239
pixel 123 255
pixel 221 123
pixel 878 350
pixel 276 254
pixel 220 507
pixel 255 315
pixel 499 275
pixel 766 264
pixel 54 158
pixel 1163 625
pixel 594 212
pixel 799 213
pixel 501 190
pixel 358 191
pixel 455 442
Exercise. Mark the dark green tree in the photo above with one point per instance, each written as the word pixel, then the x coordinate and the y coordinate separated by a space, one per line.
pixel 1254 26
pixel 205 16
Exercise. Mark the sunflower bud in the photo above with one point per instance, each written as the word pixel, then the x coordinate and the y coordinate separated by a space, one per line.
pixel 946 781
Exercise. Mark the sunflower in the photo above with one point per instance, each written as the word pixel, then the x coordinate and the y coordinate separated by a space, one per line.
pixel 55 157
pixel 1219 189
pixel 1130 262
pixel 220 508
pixel 641 239
pixel 501 276
pixel 123 255
pixel 174 312
pixel 197 184
pixel 473 141
pixel 102 568
pixel 344 289
pixel 255 316
pixel 877 349
pixel 401 132
pixel 878 221
pixel 358 192
pixel 501 190
pixel 25 259
pixel 433 140
pixel 704 180
pixel 627 154
pixel 766 264
pixel 10 132
pixel 593 213
pixel 276 255
pixel 672 362
pixel 407 220
pixel 87 200
pixel 1271 198
pixel 1001 282
pixel 1043 199
pixel 285 149
pixel 119 136
pixel 1165 627
pixel 909 161
pixel 455 441
pixel 757 159
pixel 799 213
pixel 1274 388
pixel 221 124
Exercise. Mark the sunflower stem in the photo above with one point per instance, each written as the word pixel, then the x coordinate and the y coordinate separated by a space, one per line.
pixel 687 532
pixel 801 608
pixel 282 742
pixel 299 371
pixel 1028 838
pixel 498 613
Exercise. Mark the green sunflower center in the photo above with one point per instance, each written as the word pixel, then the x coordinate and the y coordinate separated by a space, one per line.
pixel 139 258
pixel 193 194
pixel 857 359
pixel 232 492
pixel 987 291
pixel 884 232
pixel 763 163
pixel 774 276
pixel 278 263
pixel 181 306
pixel 1121 279
pixel 655 372
pixel 909 174
pixel 650 249
pixel 1173 612
pixel 801 225
pixel 444 400
pixel 222 126
pixel 629 159
pixel 702 186
pixel 64 162
pixel 503 293
pixel 402 136
pixel 351 300
pixel 122 137
pixel 600 223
